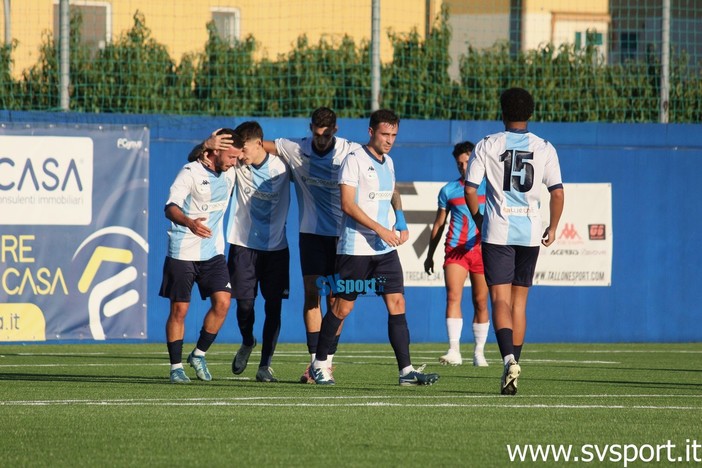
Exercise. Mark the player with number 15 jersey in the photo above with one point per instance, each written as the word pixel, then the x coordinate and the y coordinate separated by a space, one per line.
pixel 513 195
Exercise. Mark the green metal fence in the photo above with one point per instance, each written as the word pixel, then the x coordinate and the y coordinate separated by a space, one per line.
pixel 584 61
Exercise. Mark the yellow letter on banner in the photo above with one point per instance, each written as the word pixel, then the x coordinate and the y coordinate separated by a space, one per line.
pixel 22 322
pixel 101 254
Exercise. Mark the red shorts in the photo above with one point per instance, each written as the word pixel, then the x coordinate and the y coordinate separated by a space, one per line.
pixel 471 260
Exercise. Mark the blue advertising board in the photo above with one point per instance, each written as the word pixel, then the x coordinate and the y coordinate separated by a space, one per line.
pixel 73 232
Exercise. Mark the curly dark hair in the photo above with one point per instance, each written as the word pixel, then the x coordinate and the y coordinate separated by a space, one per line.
pixel 462 147
pixel 517 105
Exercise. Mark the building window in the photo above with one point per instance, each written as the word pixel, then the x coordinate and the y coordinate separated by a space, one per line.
pixel 96 26
pixel 592 38
pixel 226 22
pixel 629 45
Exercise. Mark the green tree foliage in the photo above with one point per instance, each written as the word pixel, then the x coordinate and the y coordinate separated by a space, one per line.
pixel 39 84
pixel 8 86
pixel 226 80
pixel 136 74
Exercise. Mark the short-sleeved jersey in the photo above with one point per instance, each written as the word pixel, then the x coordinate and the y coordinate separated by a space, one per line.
pixel 374 182
pixel 461 232
pixel 259 206
pixel 316 178
pixel 200 193
pixel 515 164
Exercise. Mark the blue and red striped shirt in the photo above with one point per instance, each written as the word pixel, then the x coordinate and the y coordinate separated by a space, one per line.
pixel 462 232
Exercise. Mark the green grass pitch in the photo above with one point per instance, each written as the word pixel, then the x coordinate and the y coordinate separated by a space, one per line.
pixel 112 405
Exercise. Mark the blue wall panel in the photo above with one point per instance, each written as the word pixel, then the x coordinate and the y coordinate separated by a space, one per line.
pixel 654 171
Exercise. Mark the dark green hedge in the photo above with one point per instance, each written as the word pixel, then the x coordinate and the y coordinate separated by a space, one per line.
pixel 135 74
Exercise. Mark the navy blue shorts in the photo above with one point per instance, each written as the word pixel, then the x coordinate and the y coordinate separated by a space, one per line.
pixel 317 254
pixel 179 276
pixel 249 268
pixel 360 274
pixel 509 264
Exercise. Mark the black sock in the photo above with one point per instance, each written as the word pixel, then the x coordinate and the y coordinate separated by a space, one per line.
pixel 517 351
pixel 271 330
pixel 334 345
pixel 312 339
pixel 245 318
pixel 504 341
pixel 205 341
pixel 175 351
pixel 330 324
pixel 399 336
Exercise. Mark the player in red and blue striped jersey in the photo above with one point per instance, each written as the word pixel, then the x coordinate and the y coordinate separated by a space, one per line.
pixel 463 256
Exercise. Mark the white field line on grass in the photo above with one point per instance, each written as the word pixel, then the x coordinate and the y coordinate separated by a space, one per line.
pixel 376 404
pixel 367 397
pixel 350 401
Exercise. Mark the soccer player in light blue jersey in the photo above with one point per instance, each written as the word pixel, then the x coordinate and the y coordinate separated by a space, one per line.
pixel 258 252
pixel 462 256
pixel 516 163
pixel 367 247
pixel 315 162
pixel 198 198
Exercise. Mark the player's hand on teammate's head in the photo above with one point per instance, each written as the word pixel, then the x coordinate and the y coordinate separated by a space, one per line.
pixel 218 142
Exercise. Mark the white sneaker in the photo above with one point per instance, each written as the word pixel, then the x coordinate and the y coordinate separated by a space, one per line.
pixel 452 358
pixel 509 378
pixel 479 360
